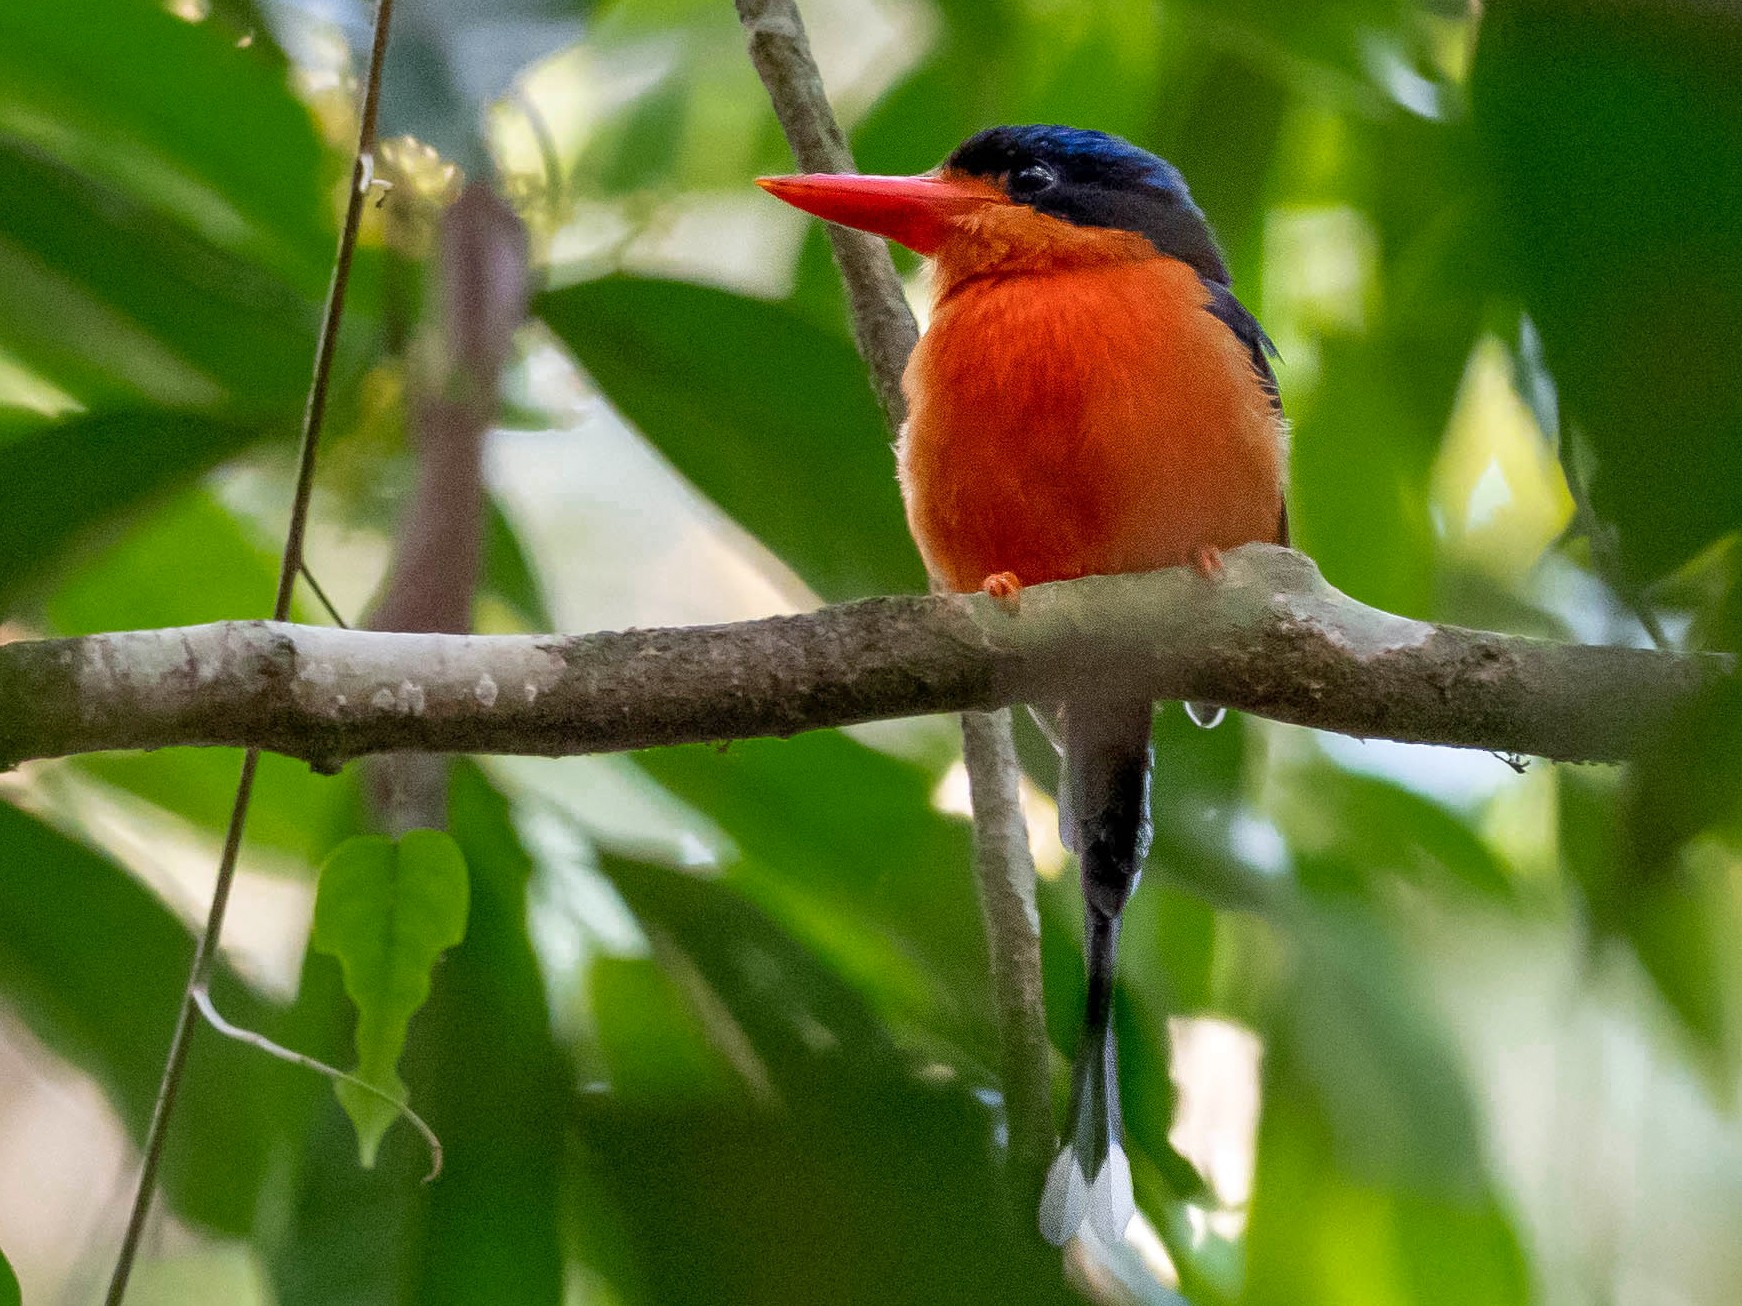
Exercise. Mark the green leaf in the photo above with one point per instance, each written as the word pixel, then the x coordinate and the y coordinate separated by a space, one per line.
pixel 654 1047
pixel 1371 1185
pixel 1357 1031
pixel 1323 1236
pixel 783 999
pixel 888 1196
pixel 492 1227
pixel 841 1153
pixel 1197 791
pixel 1653 856
pixel 1355 481
pixel 507 571
pixel 1367 435
pixel 1686 779
pixel 1360 832
pixel 932 110
pixel 646 142
pixel 295 810
pixel 1148 1096
pixel 116 302
pixel 1225 143
pixel 175 109
pixel 841 845
pixel 1616 146
pixel 487 1075
pixel 9 1293
pixel 1315 42
pixel 387 910
pixel 189 562
pixel 63 479
pixel 817 292
pixel 766 413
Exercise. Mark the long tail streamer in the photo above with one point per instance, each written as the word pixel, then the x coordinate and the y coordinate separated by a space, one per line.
pixel 1104 817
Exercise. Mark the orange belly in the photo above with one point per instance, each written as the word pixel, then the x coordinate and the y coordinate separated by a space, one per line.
pixel 1084 421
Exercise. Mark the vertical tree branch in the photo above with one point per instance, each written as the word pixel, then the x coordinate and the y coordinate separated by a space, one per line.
pixel 482 282
pixel 1004 865
pixel 883 325
pixel 290 565
pixel 885 331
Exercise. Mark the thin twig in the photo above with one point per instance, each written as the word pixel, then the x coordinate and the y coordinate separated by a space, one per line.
pixel 289 567
pixel 555 185
pixel 314 415
pixel 203 1000
pixel 885 330
pixel 1605 553
pixel 320 594
pixel 169 1085
pixel 1005 867
pixel 883 324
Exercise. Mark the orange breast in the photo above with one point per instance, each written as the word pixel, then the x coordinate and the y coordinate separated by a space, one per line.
pixel 1087 420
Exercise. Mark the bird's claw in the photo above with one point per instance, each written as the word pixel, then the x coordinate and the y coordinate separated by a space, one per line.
pixel 1207 561
pixel 1006 588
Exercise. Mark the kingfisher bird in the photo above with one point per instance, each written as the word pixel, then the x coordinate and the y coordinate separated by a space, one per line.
pixel 1089 398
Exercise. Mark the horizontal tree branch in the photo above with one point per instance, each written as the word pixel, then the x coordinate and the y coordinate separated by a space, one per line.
pixel 1269 637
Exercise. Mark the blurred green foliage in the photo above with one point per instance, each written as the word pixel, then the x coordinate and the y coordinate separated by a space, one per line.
pixel 745 396
pixel 718 1029
pixel 1628 250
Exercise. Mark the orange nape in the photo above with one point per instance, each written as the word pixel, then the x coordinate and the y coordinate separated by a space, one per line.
pixel 1087 416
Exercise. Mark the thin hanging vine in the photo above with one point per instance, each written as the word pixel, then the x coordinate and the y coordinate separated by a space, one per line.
pixel 290 565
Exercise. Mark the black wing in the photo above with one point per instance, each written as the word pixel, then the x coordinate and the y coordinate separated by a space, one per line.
pixel 1235 316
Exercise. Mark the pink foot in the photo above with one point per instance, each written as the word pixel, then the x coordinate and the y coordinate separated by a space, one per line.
pixel 1006 589
pixel 1207 561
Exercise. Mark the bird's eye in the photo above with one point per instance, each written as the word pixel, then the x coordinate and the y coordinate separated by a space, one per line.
pixel 1032 180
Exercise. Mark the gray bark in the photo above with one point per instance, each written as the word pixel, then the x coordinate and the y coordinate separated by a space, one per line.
pixel 1270 637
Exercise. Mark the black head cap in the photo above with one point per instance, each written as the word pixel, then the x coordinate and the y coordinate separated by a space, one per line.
pixel 1096 180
